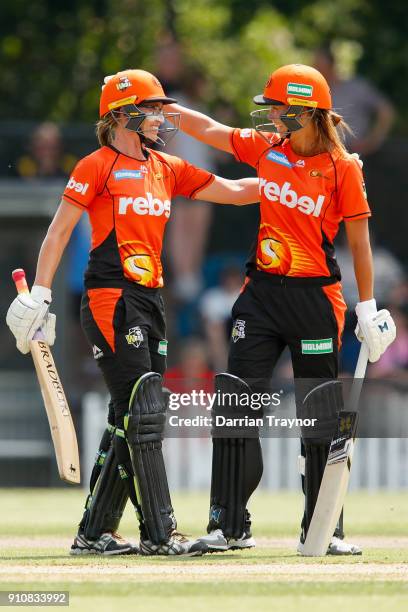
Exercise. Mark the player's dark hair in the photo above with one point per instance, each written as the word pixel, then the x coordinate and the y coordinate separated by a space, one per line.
pixel 105 130
pixel 331 129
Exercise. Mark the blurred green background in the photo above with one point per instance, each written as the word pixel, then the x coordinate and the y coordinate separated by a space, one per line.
pixel 54 53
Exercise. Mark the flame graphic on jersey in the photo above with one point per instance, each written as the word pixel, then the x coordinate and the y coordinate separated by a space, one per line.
pixel 280 253
pixel 140 264
pixel 273 253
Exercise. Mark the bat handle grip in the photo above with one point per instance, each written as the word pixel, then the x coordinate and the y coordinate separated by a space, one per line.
pixel 20 282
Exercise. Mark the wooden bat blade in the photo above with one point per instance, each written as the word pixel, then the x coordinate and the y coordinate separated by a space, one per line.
pixel 336 476
pixel 328 507
pixel 58 413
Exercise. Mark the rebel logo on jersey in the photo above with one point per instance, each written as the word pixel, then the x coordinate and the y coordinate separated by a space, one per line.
pixel 77 186
pixel 288 197
pixel 144 206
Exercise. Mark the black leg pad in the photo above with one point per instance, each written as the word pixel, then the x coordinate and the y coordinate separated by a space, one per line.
pixel 144 428
pixel 236 466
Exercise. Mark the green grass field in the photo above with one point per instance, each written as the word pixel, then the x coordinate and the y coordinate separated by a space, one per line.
pixel 37 527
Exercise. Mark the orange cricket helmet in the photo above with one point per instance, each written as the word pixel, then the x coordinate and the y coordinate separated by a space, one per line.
pixel 131 87
pixel 296 85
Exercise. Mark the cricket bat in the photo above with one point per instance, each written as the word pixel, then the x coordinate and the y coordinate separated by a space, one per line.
pixel 58 413
pixel 336 475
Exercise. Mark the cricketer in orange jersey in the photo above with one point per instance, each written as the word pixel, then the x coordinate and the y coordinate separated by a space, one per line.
pixel 292 296
pixel 126 188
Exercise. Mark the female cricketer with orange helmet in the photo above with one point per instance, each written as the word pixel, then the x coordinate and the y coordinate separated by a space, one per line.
pixel 308 185
pixel 126 188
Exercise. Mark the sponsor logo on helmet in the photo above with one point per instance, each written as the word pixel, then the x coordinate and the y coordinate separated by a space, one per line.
pixel 77 186
pixel 299 89
pixel 127 174
pixel 299 102
pixel 124 83
pixel 288 197
pixel 145 206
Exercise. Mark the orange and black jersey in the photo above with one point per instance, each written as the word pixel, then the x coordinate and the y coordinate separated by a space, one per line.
pixel 129 204
pixel 303 201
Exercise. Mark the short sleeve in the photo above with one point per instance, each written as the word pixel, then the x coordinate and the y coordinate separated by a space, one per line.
pixel 248 145
pixel 84 182
pixel 352 197
pixel 189 179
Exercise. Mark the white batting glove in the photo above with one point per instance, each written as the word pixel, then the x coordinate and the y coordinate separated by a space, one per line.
pixel 354 155
pixel 376 328
pixel 27 314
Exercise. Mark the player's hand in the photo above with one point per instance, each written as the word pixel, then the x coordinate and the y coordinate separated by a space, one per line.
pixel 376 328
pixel 358 159
pixel 27 314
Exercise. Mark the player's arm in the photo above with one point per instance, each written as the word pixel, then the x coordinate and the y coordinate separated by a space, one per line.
pixel 203 128
pixel 29 312
pixel 57 238
pixel 359 243
pixel 225 191
pixel 376 328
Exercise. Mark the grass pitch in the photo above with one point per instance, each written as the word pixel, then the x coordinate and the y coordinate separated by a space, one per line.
pixel 37 528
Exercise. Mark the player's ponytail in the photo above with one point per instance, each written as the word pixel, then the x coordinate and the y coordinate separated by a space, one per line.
pixel 331 129
pixel 105 130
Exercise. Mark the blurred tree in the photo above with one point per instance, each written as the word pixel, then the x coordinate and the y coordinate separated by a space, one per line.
pixel 54 53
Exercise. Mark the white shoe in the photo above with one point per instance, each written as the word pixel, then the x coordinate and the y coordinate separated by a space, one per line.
pixel 245 541
pixel 215 541
pixel 337 547
pixel 341 547
pixel 177 544
pixel 108 544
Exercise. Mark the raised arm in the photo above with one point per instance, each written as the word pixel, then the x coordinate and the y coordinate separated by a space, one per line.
pixel 224 191
pixel 203 128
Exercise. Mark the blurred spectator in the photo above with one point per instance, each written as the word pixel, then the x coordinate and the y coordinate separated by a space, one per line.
pixel 215 308
pixel 45 158
pixel 394 362
pixel 365 109
pixel 190 221
pixel 388 272
pixel 193 366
